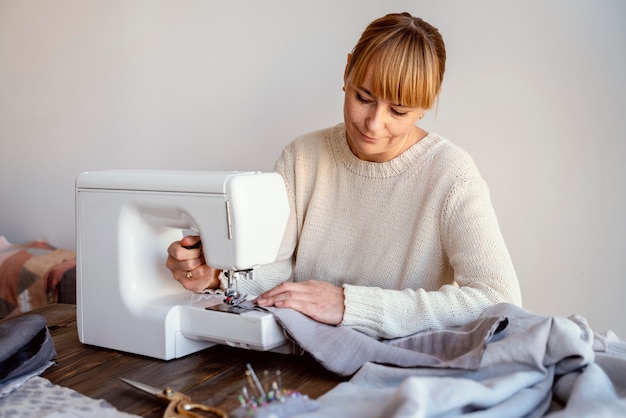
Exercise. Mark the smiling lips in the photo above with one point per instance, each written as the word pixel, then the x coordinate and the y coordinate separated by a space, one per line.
pixel 368 138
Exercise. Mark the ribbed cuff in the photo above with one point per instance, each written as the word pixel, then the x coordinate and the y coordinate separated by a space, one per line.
pixel 363 309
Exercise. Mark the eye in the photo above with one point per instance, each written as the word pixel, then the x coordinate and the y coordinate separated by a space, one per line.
pixel 361 98
pixel 397 112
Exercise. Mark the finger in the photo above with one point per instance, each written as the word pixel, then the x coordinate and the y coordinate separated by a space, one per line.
pixel 281 289
pixel 320 311
pixel 272 300
pixel 175 265
pixel 298 292
pixel 198 279
pixel 190 242
pixel 185 249
pixel 321 301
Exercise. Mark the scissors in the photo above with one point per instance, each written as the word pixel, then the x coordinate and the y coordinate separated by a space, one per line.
pixel 180 405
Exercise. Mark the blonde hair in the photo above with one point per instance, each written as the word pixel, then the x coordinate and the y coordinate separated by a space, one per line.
pixel 408 59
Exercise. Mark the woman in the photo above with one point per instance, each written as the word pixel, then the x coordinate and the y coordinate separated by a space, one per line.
pixel 392 230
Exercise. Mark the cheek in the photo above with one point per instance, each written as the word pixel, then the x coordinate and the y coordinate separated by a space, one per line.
pixel 352 112
pixel 401 128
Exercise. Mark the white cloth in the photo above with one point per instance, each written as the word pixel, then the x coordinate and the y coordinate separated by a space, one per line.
pixel 12 385
pixel 38 398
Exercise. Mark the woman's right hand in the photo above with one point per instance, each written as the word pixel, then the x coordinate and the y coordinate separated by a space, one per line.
pixel 186 262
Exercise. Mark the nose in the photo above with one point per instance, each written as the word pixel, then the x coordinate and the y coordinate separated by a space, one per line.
pixel 375 120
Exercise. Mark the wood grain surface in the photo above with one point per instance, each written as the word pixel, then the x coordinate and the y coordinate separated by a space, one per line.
pixel 214 376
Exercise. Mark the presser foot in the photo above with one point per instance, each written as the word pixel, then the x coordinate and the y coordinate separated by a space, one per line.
pixel 234 297
pixel 232 303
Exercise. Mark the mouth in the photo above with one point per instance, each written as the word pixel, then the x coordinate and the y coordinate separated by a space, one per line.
pixel 366 138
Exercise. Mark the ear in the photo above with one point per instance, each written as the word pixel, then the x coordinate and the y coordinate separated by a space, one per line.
pixel 345 72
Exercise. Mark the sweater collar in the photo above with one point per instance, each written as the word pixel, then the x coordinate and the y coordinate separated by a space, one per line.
pixel 394 167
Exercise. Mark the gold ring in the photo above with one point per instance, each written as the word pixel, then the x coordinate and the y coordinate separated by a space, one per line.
pixel 189 275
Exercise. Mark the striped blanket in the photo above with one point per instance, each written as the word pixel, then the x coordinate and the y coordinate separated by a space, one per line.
pixel 33 275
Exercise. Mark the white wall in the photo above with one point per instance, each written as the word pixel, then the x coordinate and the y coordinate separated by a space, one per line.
pixel 534 91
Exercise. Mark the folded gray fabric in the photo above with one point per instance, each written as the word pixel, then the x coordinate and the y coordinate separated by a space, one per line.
pixel 25 346
pixel 537 366
pixel 344 350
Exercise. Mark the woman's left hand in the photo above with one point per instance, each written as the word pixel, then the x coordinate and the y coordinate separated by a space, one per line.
pixel 321 301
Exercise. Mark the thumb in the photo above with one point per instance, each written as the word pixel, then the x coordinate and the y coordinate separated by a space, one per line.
pixel 190 242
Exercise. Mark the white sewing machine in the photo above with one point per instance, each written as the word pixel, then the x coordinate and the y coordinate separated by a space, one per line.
pixel 125 219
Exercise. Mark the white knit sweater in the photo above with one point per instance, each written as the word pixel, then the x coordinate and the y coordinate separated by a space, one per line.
pixel 414 241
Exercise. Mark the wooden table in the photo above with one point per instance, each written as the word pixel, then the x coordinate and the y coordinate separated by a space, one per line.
pixel 214 376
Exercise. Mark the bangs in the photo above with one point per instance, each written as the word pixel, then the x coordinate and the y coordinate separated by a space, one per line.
pixel 404 71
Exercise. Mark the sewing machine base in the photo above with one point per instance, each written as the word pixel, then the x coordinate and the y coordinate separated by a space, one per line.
pixel 208 319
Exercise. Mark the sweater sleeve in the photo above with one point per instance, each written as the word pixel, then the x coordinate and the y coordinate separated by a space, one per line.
pixel 483 274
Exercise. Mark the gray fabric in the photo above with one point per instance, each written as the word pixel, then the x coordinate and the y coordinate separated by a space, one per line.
pixel 536 366
pixel 343 350
pixel 25 346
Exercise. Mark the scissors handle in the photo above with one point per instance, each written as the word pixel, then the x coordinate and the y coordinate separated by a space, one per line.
pixel 181 407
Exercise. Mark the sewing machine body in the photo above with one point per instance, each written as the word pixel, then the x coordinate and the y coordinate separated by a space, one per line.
pixel 127 299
